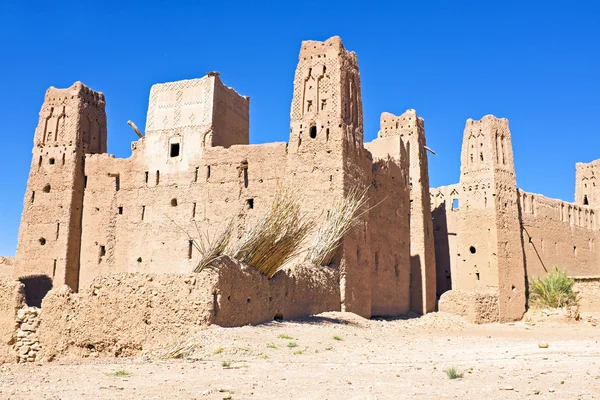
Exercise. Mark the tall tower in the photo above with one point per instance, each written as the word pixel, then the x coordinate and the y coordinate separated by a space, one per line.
pixel 490 251
pixel 411 129
pixel 72 123
pixel 325 150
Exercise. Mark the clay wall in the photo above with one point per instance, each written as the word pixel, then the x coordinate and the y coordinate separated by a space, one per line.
pixel 141 227
pixel 386 248
pixel 588 288
pixel 446 217
pixel 411 129
pixel 124 314
pixel 557 233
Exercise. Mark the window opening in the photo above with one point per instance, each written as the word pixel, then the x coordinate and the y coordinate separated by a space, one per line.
pixel 51 161
pixel 455 204
pixel 174 152
pixel 250 203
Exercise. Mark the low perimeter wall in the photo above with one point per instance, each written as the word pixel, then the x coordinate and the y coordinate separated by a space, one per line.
pixel 477 306
pixel 588 288
pixel 123 314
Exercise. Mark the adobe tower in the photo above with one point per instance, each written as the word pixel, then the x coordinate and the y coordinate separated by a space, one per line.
pixel 72 123
pixel 489 252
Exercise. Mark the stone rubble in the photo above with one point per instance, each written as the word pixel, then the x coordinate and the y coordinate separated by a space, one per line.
pixel 28 345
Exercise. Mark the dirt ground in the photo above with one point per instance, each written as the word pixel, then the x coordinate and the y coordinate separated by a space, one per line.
pixel 340 356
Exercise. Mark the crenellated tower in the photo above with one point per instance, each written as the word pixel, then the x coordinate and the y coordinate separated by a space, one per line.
pixel 490 253
pixel 72 124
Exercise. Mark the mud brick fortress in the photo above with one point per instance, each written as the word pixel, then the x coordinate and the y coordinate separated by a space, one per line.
pixel 108 228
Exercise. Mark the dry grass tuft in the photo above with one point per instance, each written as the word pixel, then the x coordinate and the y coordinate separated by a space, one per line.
pixel 344 215
pixel 182 349
pixel 555 290
pixel 210 247
pixel 276 238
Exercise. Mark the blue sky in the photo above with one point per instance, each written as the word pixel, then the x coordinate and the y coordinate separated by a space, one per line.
pixel 536 63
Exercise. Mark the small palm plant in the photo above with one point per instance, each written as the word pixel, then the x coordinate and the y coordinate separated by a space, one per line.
pixel 555 290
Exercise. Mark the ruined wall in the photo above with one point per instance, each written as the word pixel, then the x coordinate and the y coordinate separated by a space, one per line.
pixel 588 288
pixel 12 298
pixel 556 233
pixel 124 314
pixel 7 265
pixel 478 306
pixel 72 123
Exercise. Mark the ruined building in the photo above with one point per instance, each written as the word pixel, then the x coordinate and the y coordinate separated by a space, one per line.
pixel 87 213
pixel 473 245
pixel 491 237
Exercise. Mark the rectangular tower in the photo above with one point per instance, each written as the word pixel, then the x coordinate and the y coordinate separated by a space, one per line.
pixel 326 157
pixel 490 252
pixel 72 124
pixel 411 130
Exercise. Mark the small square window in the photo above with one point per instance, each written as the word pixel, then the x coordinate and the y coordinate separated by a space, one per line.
pixel 174 150
pixel 250 203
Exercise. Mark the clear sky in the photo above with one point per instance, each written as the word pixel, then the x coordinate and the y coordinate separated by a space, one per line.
pixel 536 63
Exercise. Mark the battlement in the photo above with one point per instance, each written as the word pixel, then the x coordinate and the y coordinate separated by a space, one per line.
pixel 407 123
pixel 55 96
pixel 332 47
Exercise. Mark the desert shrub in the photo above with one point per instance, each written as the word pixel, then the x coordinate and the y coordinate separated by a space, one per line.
pixel 277 237
pixel 453 373
pixel 554 290
pixel 344 215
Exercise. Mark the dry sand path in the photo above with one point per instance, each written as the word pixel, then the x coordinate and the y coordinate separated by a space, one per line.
pixel 340 356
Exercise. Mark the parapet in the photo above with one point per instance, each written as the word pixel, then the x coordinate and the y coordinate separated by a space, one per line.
pixel 55 96
pixel 392 125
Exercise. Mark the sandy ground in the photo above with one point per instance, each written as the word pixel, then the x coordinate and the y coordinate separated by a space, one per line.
pixel 340 356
